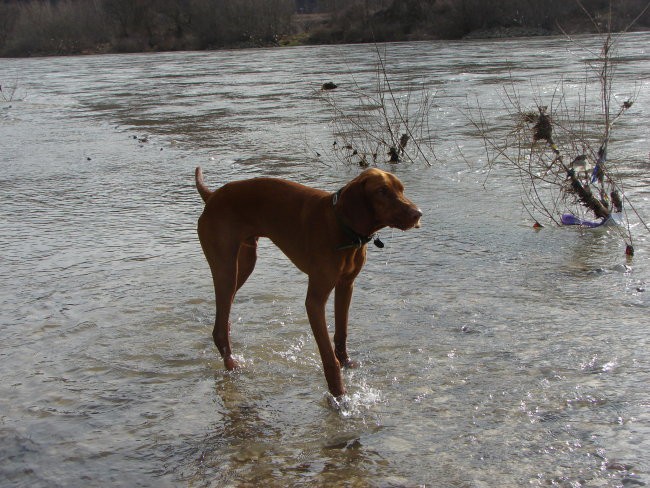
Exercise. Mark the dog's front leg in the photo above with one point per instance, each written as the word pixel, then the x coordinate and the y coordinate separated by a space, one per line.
pixel 342 299
pixel 317 295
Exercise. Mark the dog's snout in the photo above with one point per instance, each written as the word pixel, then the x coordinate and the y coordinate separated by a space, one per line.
pixel 417 215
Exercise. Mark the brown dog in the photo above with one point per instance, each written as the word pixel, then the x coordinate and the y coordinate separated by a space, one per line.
pixel 323 234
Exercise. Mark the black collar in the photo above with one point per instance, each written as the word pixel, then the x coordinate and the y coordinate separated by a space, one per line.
pixel 358 240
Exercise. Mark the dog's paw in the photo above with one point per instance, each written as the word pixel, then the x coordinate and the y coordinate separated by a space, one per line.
pixel 341 403
pixel 349 364
pixel 230 363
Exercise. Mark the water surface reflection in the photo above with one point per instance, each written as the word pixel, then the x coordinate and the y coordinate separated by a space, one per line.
pixel 491 354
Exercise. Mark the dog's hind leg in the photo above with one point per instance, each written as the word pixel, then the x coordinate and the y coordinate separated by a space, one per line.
pixel 246 260
pixel 223 264
pixel 230 270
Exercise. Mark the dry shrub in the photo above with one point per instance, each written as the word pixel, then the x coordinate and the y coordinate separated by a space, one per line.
pixel 378 124
pixel 563 154
pixel 73 26
pixel 68 26
pixel 231 22
pixel 8 17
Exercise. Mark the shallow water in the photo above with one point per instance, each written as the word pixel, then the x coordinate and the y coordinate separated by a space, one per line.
pixel 491 355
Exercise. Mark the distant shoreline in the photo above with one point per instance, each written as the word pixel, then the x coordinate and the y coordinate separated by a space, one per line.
pixel 75 27
pixel 487 34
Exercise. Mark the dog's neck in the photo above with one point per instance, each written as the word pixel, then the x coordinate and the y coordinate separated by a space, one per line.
pixel 358 240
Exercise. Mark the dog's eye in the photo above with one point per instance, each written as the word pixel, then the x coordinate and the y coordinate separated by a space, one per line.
pixel 383 190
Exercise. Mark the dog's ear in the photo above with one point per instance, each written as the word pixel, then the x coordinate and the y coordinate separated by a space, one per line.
pixel 355 205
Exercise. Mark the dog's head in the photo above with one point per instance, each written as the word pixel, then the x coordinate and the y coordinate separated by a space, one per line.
pixel 375 199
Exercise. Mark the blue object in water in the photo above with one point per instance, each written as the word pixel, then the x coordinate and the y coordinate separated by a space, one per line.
pixel 570 219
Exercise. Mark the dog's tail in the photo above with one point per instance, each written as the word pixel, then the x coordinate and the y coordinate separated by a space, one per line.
pixel 204 191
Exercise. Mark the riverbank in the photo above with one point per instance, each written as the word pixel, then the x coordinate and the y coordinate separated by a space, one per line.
pixel 507 32
pixel 72 27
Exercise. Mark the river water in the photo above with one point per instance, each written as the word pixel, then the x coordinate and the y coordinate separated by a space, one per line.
pixel 491 354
